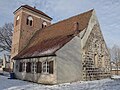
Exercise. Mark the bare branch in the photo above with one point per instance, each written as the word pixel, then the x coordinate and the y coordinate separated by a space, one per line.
pixel 6 33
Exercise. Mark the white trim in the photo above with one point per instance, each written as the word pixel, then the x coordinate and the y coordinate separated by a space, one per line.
pixel 33 67
pixel 30 18
pixel 44 23
pixel 24 66
pixel 45 65
pixel 18 17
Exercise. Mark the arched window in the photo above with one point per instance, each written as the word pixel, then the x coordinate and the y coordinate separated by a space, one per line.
pixel 29 21
pixel 44 24
pixel 103 61
pixel 96 60
pixel 17 20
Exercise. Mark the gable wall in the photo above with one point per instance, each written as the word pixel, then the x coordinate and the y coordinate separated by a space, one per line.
pixel 96 58
pixel 93 20
pixel 68 61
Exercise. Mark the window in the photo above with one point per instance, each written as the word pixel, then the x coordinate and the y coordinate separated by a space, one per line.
pixel 39 67
pixel 96 60
pixel 29 21
pixel 28 67
pixel 17 20
pixel 47 67
pixel 51 67
pixel 34 67
pixel 44 24
pixel 23 66
pixel 20 67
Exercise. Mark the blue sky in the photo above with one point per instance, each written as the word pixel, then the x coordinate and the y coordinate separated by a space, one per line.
pixel 108 13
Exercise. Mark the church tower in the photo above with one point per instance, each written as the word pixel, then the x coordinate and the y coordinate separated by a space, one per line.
pixel 27 20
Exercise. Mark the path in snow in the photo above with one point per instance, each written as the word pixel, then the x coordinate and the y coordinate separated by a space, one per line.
pixel 13 84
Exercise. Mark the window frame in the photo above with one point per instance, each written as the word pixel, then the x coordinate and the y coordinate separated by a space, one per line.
pixel 23 67
pixel 33 67
pixel 47 68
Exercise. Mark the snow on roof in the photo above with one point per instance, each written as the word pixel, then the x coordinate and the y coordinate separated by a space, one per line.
pixel 49 51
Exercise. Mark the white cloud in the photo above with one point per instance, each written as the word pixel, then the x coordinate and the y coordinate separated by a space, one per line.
pixel 107 12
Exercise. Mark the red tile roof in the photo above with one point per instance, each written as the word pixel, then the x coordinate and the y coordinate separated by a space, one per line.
pixel 48 40
pixel 33 9
pixel 47 47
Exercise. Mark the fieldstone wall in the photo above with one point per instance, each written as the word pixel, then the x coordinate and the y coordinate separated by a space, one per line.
pixel 96 58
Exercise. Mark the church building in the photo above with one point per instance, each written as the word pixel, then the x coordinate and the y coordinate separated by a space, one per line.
pixel 67 51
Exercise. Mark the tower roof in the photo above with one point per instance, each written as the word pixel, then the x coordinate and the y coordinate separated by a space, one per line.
pixel 33 9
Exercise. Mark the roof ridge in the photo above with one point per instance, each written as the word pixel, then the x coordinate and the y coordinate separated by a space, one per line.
pixel 67 19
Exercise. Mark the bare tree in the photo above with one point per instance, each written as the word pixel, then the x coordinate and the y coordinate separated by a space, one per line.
pixel 115 53
pixel 6 33
pixel 115 56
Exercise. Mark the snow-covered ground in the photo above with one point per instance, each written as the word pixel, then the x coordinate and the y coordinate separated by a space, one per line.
pixel 13 84
pixel 115 77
